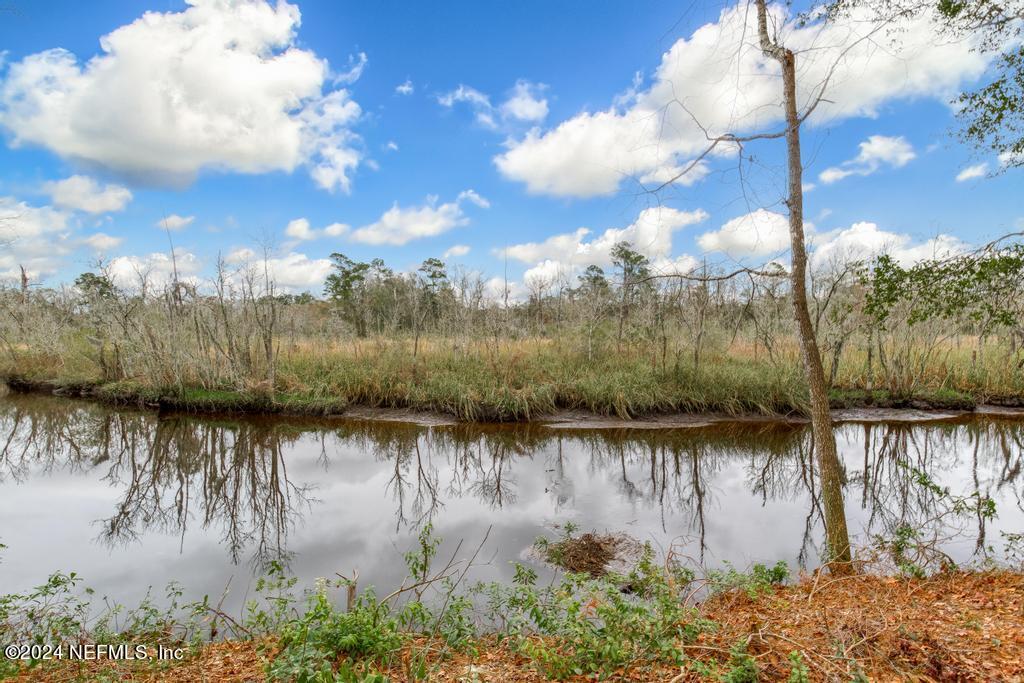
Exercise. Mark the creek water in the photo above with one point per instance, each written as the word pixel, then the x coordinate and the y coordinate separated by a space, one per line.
pixel 131 499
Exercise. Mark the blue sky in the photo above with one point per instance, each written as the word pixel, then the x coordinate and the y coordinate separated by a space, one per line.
pixel 519 124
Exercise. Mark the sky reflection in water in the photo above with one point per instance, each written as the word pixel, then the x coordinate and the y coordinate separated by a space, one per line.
pixel 131 499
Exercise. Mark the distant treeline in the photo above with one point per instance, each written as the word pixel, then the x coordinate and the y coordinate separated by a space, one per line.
pixel 944 325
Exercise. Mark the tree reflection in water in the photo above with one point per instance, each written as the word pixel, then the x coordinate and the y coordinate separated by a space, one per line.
pixel 231 476
pixel 171 471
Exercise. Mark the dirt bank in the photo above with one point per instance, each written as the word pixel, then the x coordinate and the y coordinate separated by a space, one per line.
pixel 851 407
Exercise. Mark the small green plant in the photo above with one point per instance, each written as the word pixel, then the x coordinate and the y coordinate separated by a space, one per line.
pixel 589 626
pixel 903 539
pixel 418 561
pixel 1014 547
pixel 972 503
pixel 62 611
pixel 760 580
pixel 798 671
pixel 323 643
pixel 311 643
pixel 276 604
pixel 742 667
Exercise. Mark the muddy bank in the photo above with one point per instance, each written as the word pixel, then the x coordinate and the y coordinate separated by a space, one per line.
pixel 190 401
pixel 581 420
pixel 847 407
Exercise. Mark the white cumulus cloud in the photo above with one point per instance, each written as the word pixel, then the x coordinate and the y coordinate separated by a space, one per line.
pixel 765 235
pixel 102 242
pixel 221 85
pixel 560 256
pixel 34 237
pixel 717 81
pixel 19 220
pixel 398 225
pixel 472 196
pixel 154 270
pixel 456 251
pixel 524 104
pixel 875 152
pixel 865 240
pixel 292 272
pixel 972 172
pixel 298 271
pixel 82 193
pixel 175 222
pixel 479 102
pixel 300 229
pixel 758 233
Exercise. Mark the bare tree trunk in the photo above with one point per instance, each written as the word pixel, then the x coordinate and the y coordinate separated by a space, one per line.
pixel 701 318
pixel 837 536
pixel 623 311
pixel 870 384
pixel 24 283
pixel 837 356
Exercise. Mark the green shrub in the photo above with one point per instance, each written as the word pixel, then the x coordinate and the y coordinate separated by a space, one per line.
pixel 760 580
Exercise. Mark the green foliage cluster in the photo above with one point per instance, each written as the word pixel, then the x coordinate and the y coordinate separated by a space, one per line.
pixel 312 643
pixel 993 114
pixel 373 297
pixel 909 548
pixel 62 611
pixel 979 288
pixel 588 626
pixel 93 286
pixel 577 625
pixel 760 580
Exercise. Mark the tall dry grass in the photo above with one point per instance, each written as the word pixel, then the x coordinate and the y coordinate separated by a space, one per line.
pixel 237 344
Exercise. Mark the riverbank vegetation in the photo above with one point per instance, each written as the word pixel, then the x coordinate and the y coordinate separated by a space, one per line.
pixel 942 333
pixel 655 622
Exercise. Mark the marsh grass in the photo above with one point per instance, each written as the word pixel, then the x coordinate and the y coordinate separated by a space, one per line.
pixel 528 379
pixel 520 381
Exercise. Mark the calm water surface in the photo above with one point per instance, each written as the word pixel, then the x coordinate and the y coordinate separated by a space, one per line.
pixel 134 499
